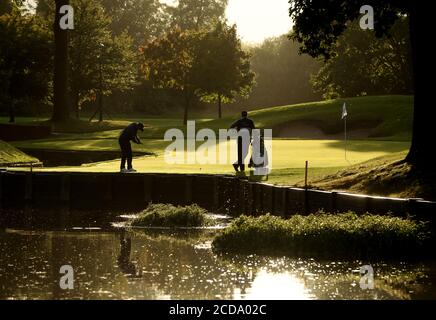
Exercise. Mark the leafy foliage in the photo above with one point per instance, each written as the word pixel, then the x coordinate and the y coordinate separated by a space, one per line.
pixel 8 6
pixel 166 215
pixel 318 24
pixel 140 19
pixel 198 63
pixel 363 64
pixel 25 57
pixel 92 46
pixel 223 68
pixel 169 63
pixel 197 14
pixel 325 235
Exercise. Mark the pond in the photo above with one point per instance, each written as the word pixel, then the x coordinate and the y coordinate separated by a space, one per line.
pixel 110 263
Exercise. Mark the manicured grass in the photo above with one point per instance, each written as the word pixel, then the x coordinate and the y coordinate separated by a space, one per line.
pixel 24 120
pixel 387 117
pixel 390 116
pixel 324 235
pixel 73 126
pixel 166 215
pixel 12 156
pixel 289 156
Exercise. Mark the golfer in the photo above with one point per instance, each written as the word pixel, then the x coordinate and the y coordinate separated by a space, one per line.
pixel 244 126
pixel 130 133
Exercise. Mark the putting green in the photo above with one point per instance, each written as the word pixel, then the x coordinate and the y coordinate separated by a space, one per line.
pixel 285 154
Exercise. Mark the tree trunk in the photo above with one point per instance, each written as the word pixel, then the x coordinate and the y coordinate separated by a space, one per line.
pixel 220 114
pixel 75 100
pixel 12 112
pixel 61 110
pixel 423 135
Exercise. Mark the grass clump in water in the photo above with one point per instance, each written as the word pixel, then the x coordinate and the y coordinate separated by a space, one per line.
pixel 324 235
pixel 167 215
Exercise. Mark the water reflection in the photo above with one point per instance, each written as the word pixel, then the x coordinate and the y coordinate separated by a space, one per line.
pixel 124 263
pixel 150 265
pixel 275 286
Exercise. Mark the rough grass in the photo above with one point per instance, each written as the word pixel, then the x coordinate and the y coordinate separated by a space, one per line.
pixel 12 156
pixel 169 216
pixel 324 235
pixel 382 176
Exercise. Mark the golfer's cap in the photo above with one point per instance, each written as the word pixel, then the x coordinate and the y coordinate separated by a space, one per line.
pixel 141 126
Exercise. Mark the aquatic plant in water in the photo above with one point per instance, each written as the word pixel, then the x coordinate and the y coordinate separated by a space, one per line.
pixel 167 215
pixel 325 235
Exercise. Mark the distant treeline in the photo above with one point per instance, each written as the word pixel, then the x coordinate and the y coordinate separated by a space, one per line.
pixel 126 49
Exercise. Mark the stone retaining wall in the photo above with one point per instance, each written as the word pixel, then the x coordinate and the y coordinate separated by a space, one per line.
pixel 218 193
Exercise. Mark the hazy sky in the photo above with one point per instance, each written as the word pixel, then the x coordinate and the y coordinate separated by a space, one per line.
pixel 259 19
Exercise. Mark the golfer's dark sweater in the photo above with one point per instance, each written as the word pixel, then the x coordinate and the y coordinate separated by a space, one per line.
pixel 130 133
pixel 243 123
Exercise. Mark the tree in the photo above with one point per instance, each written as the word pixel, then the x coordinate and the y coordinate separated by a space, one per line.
pixel 140 19
pixel 319 23
pixel 7 6
pixel 99 62
pixel 169 63
pixel 223 67
pixel 25 58
pixel 61 108
pixel 197 14
pixel 363 64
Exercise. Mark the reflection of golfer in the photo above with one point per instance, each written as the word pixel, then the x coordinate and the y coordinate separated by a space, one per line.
pixel 124 262
pixel 244 127
pixel 130 133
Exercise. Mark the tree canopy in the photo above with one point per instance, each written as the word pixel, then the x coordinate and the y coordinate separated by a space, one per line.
pixel 197 14
pixel 169 62
pixel 25 57
pixel 207 65
pixel 319 23
pixel 362 64
pixel 223 67
pixel 97 57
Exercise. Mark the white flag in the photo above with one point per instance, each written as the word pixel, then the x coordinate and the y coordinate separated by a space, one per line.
pixel 344 111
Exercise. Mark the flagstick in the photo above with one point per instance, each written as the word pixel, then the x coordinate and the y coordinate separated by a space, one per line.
pixel 345 138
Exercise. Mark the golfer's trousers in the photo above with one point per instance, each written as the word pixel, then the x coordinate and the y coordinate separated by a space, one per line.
pixel 242 153
pixel 126 154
